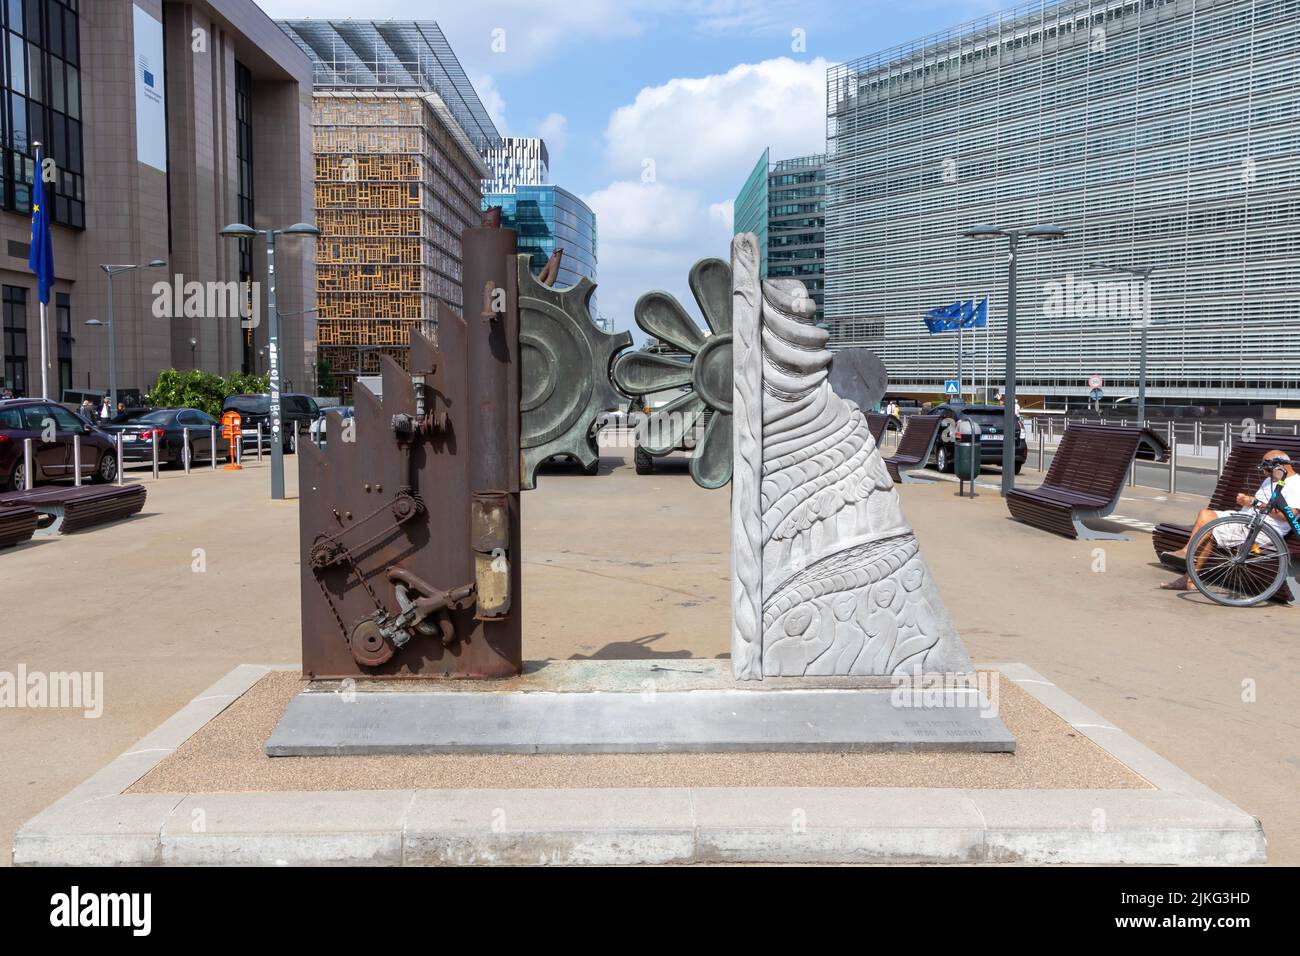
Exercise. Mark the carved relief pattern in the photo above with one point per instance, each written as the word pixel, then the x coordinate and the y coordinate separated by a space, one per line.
pixel 845 589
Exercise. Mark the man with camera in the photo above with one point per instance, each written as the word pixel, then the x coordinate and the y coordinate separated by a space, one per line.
pixel 1281 470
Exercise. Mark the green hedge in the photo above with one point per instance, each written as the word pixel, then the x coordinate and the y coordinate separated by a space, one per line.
pixel 202 390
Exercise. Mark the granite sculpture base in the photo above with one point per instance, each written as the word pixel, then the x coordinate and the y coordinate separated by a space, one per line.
pixel 639 707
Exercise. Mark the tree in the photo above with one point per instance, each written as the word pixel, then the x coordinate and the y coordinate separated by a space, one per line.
pixel 202 390
pixel 325 382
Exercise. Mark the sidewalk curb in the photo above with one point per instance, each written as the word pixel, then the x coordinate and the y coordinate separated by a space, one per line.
pixel 1179 822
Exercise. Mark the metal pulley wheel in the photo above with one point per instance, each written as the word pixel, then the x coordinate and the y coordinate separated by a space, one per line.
pixel 368 645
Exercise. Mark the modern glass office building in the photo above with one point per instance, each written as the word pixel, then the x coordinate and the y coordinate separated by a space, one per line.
pixel 1158 133
pixel 784 205
pixel 546 218
pixel 398 140
pixel 519 160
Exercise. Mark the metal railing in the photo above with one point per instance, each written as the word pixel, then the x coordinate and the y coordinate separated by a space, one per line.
pixel 186 459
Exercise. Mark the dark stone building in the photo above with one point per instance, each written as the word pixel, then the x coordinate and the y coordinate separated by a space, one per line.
pixel 165 121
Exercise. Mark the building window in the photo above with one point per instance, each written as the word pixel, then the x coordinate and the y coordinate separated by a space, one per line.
pixel 63 323
pixel 15 338
pixel 41 78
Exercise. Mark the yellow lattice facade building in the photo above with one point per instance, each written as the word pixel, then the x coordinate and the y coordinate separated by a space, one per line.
pixel 396 180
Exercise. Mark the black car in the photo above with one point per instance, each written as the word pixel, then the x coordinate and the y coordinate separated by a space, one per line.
pixel 255 410
pixel 169 425
pixel 990 419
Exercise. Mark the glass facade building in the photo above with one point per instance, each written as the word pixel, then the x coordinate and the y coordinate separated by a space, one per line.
pixel 784 205
pixel 749 212
pixel 398 141
pixel 1156 132
pixel 546 218
pixel 518 161
pixel 40 70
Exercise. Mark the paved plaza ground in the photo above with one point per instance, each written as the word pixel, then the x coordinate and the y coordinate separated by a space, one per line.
pixel 627 566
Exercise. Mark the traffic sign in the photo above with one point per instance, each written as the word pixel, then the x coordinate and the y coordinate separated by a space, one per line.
pixel 1095 381
pixel 952 387
pixel 1095 394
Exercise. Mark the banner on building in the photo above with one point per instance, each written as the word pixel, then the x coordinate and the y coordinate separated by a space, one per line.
pixel 150 105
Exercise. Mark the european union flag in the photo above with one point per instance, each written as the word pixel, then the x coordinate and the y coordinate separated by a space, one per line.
pixel 41 257
pixel 945 318
pixel 959 315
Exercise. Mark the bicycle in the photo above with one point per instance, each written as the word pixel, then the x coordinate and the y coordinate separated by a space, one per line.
pixel 1251 572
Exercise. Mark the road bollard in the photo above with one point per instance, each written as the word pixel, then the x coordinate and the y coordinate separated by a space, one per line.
pixel 259 441
pixel 186 454
pixel 212 446
pixel 119 460
pixel 28 478
pixel 1173 467
pixel 1219 470
pixel 1040 450
pixel 1196 437
pixel 1133 473
pixel 76 460
pixel 155 453
pixel 295 437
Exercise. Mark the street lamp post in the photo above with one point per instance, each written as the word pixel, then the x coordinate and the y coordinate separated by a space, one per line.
pixel 1143 273
pixel 240 231
pixel 110 271
pixel 1009 433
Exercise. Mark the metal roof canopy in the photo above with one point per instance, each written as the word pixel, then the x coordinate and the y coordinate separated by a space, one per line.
pixel 393 54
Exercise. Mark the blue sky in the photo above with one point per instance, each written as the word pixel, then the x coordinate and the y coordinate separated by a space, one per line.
pixel 655 111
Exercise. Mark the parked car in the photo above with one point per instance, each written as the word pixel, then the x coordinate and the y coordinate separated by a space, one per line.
pixel 22 418
pixel 640 411
pixel 990 419
pixel 129 415
pixel 318 435
pixel 169 425
pixel 256 409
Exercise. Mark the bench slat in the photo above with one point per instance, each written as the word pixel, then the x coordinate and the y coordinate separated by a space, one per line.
pixel 17 524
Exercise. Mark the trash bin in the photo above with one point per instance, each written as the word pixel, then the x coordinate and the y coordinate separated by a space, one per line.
pixel 966 451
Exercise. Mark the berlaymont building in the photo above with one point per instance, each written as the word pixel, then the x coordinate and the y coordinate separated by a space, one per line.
pixel 1157 133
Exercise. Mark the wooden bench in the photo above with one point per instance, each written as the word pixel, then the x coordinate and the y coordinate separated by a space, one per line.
pixel 876 424
pixel 17 525
pixel 1241 475
pixel 914 447
pixel 72 508
pixel 1085 480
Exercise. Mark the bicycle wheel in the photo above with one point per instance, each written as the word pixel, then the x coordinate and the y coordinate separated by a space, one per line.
pixel 1247 574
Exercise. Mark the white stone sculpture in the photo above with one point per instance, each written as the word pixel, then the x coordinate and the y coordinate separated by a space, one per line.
pixel 827 576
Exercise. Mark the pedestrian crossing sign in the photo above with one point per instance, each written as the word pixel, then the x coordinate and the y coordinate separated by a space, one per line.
pixel 952 387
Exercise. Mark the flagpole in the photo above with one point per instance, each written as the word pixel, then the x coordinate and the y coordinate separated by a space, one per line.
pixel 40 245
pixel 45 355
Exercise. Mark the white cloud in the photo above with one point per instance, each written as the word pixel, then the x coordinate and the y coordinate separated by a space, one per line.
pixel 650 213
pixel 650 234
pixel 554 128
pixel 697 128
pixel 493 101
pixel 725 213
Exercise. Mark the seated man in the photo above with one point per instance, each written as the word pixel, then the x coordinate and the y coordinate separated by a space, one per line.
pixel 1230 536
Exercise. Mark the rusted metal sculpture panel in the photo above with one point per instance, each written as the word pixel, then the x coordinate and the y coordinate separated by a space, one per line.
pixel 409 532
